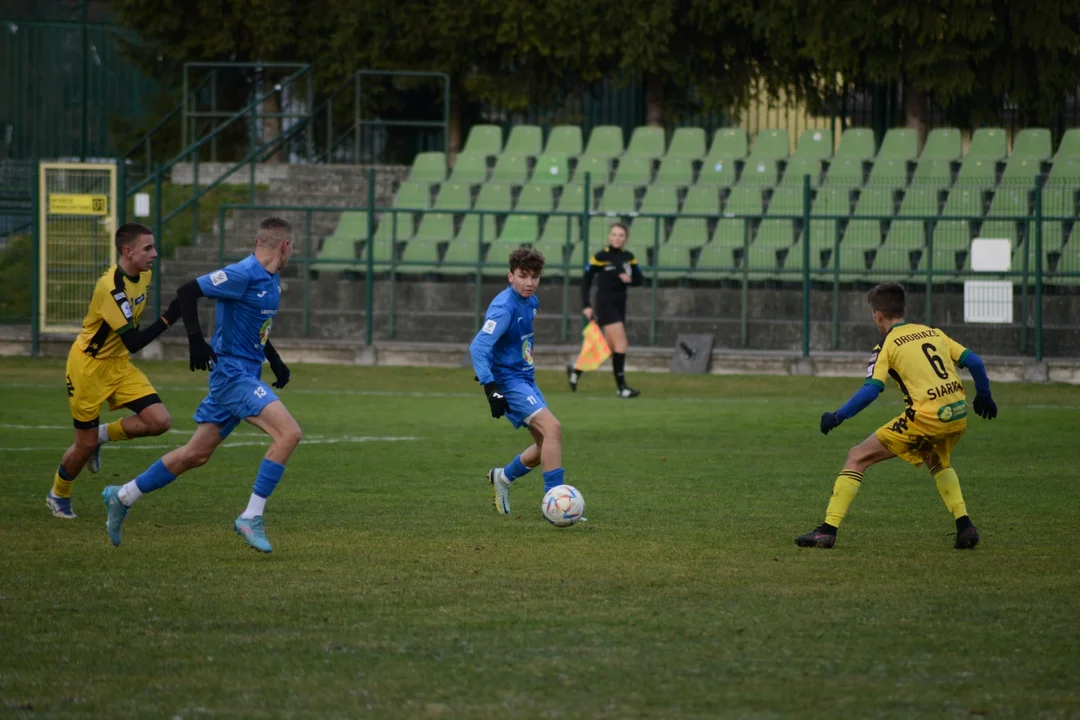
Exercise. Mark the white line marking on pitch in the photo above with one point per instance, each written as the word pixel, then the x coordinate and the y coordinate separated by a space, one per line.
pixel 348 439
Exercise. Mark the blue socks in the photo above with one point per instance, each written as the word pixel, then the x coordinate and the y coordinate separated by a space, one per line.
pixel 269 476
pixel 154 477
pixel 553 478
pixel 515 469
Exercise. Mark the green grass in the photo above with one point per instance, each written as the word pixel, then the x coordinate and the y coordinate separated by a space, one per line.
pixel 395 591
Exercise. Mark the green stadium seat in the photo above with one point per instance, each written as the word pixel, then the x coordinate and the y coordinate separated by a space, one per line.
pixel 1067 271
pixel 876 201
pixel 428 167
pixel 946 263
pixel 469 168
pixel 415 195
pixel 793 262
pixel 511 169
pixel 932 171
pixel 341 245
pixel 519 230
pixel 396 227
pixel 618 199
pixel 671 262
pixel 461 255
pixel 942 144
pixel 605 141
pixel 484 140
pixel 863 233
pixel 633 170
pixel 856 143
pixel 919 202
pixel 676 171
pixel 1021 171
pixel 964 202
pixel 977 172
pixel 535 197
pixel 716 261
pixel 728 143
pixel 434 227
pixel 770 145
pixel 799 167
pixel 1070 144
pixel 830 202
pixel 1065 171
pixel 647 231
pixel 551 169
pixel 524 140
pixel 689 232
pixel 1010 202
pixel 701 200
pixel 890 172
pixel 759 173
pixel 598 169
pixel 731 232
pixel 1034 143
pixel 419 256
pixel 846 172
pixel 988 144
pixel 786 202
pixel 717 172
pixel 814 144
pixel 564 140
pixel 852 262
pixel 560 230
pixel 760 262
pixel 573 199
pixel 647 142
pixel 1059 202
pixel 454 196
pixel 906 234
pixel 493 197
pixel 687 143
pixel 953 234
pixel 999 230
pixel 894 261
pixel 744 201
pixel 899 144
pixel 775 232
pixel 660 200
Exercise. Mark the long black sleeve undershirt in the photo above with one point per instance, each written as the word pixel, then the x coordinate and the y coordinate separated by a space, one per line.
pixel 135 339
pixel 187 302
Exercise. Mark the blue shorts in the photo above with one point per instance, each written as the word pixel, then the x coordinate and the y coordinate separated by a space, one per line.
pixel 525 400
pixel 232 399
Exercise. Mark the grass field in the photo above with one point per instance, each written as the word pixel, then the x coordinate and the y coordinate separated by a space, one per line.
pixel 394 590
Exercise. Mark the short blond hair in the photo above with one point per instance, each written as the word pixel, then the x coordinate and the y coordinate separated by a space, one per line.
pixel 272 232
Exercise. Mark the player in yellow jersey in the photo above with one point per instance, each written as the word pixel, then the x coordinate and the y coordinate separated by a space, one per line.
pixel 922 360
pixel 99 368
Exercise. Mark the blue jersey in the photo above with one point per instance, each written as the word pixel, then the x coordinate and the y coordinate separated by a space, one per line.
pixel 247 301
pixel 503 349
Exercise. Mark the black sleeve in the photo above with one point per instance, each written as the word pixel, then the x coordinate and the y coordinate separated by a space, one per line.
pixel 135 339
pixel 586 282
pixel 271 353
pixel 187 304
pixel 636 277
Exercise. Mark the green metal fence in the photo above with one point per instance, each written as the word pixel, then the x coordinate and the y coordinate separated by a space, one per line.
pixel 802 258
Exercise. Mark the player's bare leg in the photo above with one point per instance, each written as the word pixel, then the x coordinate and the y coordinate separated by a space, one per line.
pixel 285 434
pixel 615 335
pixel 149 421
pixel 195 452
pixel 869 452
pixel 948 486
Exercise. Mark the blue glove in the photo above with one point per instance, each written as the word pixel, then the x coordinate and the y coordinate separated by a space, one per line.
pixel 829 421
pixel 985 407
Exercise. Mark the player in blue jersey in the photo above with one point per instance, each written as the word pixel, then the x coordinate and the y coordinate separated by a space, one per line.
pixel 247 296
pixel 502 356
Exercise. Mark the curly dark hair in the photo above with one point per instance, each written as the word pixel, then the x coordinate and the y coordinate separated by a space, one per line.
pixel 528 259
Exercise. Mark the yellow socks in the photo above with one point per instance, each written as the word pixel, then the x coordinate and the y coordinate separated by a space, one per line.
pixel 948 486
pixel 844 490
pixel 116 431
pixel 62 483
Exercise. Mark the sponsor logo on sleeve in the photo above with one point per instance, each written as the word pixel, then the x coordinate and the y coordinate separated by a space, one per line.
pixel 217 277
pixel 126 308
pixel 489 327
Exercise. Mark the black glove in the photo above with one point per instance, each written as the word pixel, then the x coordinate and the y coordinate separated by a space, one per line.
pixel 828 422
pixel 200 354
pixel 498 403
pixel 985 407
pixel 281 371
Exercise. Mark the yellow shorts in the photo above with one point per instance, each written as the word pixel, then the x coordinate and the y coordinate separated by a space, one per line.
pixel 907 440
pixel 92 382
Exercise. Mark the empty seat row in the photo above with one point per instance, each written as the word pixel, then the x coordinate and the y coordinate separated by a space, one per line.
pixel 606 141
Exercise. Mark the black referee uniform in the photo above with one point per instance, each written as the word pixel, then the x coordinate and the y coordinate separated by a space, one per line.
pixel 605 267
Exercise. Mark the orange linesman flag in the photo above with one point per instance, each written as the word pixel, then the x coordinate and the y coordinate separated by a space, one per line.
pixel 594 349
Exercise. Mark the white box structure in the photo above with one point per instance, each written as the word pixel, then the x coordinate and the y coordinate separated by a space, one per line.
pixel 989 301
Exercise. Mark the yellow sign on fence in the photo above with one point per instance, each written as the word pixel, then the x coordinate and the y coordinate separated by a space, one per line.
pixel 66 204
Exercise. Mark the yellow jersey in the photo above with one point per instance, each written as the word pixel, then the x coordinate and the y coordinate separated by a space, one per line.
pixel 922 360
pixel 115 308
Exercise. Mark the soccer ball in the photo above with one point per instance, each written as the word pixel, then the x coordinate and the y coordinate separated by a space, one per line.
pixel 563 505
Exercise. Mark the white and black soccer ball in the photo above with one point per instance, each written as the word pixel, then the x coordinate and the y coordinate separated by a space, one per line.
pixel 563 505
